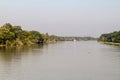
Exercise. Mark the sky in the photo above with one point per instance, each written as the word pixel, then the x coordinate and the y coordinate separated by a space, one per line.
pixel 63 17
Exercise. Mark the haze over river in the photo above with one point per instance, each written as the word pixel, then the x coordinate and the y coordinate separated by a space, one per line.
pixel 83 60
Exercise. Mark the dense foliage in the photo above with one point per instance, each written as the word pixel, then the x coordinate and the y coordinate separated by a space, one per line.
pixel 111 37
pixel 16 36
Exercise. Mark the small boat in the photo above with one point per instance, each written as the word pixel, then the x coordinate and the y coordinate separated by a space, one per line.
pixel 74 40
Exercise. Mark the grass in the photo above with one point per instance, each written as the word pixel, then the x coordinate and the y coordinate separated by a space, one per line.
pixel 1 45
pixel 112 43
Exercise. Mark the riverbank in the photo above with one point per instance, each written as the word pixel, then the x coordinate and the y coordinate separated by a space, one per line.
pixel 2 45
pixel 111 43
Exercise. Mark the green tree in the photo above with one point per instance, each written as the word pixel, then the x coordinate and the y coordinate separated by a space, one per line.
pixel 5 35
pixel 7 26
pixel 36 37
pixel 111 37
pixel 17 30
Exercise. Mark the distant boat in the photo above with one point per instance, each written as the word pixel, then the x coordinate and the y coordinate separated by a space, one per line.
pixel 74 40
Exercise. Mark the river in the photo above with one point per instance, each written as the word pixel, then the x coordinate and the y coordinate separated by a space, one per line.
pixel 83 60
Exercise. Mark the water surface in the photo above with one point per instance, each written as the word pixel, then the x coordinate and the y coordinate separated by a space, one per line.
pixel 84 60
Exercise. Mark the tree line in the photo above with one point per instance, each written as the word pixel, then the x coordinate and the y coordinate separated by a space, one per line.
pixel 15 36
pixel 75 38
pixel 110 37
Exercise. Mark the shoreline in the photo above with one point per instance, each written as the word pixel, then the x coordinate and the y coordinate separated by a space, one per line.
pixel 111 43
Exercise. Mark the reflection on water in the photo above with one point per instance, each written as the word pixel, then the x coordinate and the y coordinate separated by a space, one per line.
pixel 85 60
pixel 9 53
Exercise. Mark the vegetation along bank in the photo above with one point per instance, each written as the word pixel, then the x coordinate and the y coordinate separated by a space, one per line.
pixel 112 38
pixel 15 36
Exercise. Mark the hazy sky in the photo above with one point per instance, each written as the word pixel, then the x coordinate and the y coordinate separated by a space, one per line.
pixel 63 17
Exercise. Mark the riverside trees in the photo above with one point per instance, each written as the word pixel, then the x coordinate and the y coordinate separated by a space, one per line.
pixel 16 36
pixel 111 37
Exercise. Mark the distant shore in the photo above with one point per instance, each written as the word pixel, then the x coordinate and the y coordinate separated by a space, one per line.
pixel 111 43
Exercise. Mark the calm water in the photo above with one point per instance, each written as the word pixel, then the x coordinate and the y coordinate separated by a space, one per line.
pixel 85 60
